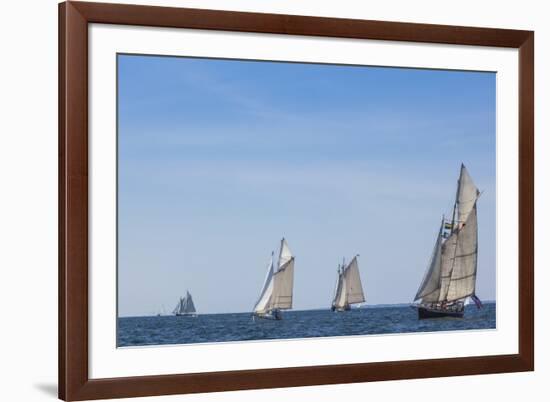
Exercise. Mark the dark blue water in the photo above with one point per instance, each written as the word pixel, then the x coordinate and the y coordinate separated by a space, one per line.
pixel 166 330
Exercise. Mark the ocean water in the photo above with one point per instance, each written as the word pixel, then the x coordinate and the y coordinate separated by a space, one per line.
pixel 167 330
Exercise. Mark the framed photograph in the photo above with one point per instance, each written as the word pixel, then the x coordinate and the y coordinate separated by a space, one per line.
pixel 259 200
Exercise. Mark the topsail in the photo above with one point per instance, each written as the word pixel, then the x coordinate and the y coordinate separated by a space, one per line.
pixel 276 292
pixel 349 289
pixel 451 273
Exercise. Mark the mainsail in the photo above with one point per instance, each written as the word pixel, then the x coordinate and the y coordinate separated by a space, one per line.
pixel 278 284
pixel 430 287
pixel 348 287
pixel 451 273
pixel 185 305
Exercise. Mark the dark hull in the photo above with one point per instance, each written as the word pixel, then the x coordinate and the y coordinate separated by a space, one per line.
pixel 339 310
pixel 424 313
pixel 271 315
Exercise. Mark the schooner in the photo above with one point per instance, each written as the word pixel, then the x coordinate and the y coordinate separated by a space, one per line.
pixel 185 306
pixel 276 294
pixel 348 288
pixel 451 275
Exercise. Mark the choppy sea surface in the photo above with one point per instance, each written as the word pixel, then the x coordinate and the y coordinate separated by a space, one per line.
pixel 167 330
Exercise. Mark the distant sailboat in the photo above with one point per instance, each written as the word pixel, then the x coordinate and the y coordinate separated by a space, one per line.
pixel 185 306
pixel 451 275
pixel 276 294
pixel 348 288
pixel 161 311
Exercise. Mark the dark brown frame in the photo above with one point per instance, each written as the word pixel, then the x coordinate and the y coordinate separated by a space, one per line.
pixel 74 17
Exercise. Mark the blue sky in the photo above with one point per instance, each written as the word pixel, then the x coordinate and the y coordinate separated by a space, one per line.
pixel 219 159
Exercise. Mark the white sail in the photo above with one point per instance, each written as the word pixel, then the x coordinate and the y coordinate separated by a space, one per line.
pixel 459 272
pixel 467 195
pixel 285 254
pixel 283 282
pixel 339 299
pixel 429 288
pixel 262 304
pixel 278 285
pixel 448 251
pixel 463 276
pixel 354 288
pixel 349 289
pixel 189 306
pixel 336 287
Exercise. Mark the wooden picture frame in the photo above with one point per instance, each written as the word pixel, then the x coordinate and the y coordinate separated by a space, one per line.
pixel 74 381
